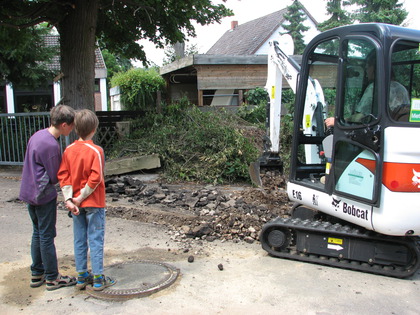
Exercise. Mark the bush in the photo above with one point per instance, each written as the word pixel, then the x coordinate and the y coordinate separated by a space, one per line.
pixel 138 87
pixel 254 114
pixel 256 96
pixel 193 145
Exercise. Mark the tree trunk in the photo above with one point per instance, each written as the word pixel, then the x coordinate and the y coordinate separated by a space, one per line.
pixel 78 42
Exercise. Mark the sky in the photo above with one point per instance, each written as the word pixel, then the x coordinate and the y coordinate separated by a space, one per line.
pixel 247 10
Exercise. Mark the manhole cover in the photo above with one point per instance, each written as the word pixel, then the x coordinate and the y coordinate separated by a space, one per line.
pixel 136 279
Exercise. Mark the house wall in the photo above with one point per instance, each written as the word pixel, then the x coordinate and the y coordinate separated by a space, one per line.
pixel 307 36
pixel 213 77
pixel 98 101
pixel 100 97
pixel 243 77
pixel 115 97
pixel 10 100
pixel 326 75
pixel 56 92
pixel 104 94
pixel 180 90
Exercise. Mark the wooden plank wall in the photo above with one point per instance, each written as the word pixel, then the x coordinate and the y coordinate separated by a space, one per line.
pixel 213 77
pixel 239 77
pixel 244 77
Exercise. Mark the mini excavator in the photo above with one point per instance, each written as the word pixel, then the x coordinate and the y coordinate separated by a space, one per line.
pixel 356 187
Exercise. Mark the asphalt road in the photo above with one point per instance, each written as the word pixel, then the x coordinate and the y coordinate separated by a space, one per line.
pixel 251 282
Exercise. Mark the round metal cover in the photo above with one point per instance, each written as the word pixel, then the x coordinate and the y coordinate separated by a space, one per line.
pixel 136 279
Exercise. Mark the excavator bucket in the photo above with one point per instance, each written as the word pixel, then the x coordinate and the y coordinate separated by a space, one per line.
pixel 268 161
pixel 254 173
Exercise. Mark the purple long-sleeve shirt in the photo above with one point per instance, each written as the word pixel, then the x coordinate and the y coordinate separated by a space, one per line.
pixel 39 175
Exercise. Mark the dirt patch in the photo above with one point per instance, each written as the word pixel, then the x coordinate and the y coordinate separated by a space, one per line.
pixel 198 211
pixel 18 293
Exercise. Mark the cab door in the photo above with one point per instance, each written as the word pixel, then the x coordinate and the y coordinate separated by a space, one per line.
pixel 356 155
pixel 344 160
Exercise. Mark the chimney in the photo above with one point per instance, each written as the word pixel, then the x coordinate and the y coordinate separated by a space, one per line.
pixel 233 25
pixel 179 48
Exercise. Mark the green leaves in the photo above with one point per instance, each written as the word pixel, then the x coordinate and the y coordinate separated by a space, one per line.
pixel 121 24
pixel 138 87
pixel 24 57
pixel 383 11
pixel 194 145
pixel 295 17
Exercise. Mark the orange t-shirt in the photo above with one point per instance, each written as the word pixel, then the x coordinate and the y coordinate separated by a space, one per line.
pixel 83 164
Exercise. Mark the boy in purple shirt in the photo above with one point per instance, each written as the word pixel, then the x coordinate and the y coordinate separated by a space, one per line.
pixel 39 176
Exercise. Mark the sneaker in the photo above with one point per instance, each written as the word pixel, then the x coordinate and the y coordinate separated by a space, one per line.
pixel 102 282
pixel 61 281
pixel 82 282
pixel 37 280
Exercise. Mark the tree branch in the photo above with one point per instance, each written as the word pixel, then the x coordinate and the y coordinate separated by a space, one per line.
pixel 24 25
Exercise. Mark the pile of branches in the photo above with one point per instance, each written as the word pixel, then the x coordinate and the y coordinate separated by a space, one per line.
pixel 210 147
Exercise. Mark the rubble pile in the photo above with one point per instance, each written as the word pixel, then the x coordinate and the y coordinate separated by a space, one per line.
pixel 197 211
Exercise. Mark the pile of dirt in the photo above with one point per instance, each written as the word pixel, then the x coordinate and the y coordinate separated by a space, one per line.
pixel 200 212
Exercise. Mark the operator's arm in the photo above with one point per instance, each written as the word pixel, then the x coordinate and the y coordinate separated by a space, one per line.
pixel 329 122
pixel 364 107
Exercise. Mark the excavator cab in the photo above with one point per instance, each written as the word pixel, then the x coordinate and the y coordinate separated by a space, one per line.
pixel 371 74
pixel 356 187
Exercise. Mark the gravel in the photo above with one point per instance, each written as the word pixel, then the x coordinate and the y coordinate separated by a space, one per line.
pixel 200 212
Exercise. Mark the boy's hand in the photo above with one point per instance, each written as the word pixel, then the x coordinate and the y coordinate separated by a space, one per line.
pixel 72 207
pixel 77 201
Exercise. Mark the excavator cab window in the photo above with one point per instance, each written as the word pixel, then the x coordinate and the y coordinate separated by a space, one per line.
pixel 360 103
pixel 404 90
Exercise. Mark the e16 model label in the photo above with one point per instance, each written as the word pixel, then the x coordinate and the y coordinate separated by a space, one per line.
pixel 297 194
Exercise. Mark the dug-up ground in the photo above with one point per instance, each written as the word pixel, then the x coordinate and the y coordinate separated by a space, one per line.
pixel 216 226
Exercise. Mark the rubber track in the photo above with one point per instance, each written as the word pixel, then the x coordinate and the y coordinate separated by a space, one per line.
pixel 338 230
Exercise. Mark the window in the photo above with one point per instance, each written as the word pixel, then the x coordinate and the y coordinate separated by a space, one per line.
pixel 360 95
pixel 29 100
pixel 404 90
pixel 355 170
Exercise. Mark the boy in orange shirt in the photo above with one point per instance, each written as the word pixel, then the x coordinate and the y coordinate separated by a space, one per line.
pixel 81 177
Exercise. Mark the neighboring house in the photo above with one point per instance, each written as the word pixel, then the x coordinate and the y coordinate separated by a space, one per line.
pixel 252 38
pixel 237 62
pixel 17 99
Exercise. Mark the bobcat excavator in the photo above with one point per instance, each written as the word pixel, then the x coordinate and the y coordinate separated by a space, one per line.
pixel 356 189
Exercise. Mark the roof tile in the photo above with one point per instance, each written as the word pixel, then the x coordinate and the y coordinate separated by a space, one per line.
pixel 54 63
pixel 245 39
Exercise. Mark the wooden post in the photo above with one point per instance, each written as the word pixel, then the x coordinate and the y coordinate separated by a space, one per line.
pixel 240 97
pixel 200 98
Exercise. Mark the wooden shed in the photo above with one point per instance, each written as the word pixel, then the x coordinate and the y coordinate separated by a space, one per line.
pixel 237 62
pixel 217 80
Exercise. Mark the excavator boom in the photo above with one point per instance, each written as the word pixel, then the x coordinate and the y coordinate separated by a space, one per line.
pixel 281 65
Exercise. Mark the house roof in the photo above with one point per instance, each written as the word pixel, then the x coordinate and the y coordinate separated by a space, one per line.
pixel 54 64
pixel 247 38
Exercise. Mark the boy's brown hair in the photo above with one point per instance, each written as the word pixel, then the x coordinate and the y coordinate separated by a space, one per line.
pixel 85 122
pixel 61 114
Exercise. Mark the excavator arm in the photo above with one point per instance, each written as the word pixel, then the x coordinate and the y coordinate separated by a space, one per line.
pixel 281 65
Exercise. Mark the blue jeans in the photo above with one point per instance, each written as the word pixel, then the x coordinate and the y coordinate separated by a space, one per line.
pixel 89 233
pixel 44 255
